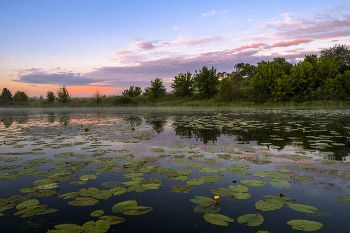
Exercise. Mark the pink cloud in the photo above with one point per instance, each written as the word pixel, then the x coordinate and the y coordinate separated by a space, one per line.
pixel 243 47
pixel 291 42
pixel 7 59
pixel 202 40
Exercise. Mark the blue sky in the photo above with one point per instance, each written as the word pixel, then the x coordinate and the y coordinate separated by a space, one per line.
pixel 110 45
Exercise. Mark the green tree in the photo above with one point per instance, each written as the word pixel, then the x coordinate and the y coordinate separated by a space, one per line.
pixel 342 53
pixel 226 90
pixel 157 88
pixel 183 85
pixel 6 95
pixel 20 96
pixel 206 82
pixel 62 95
pixel 50 97
pixel 132 91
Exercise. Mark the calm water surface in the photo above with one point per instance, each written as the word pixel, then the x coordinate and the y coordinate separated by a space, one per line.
pixel 64 164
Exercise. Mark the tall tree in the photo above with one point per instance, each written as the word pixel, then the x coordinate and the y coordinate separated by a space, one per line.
pixel 6 95
pixel 342 53
pixel 132 91
pixel 157 88
pixel 20 96
pixel 183 85
pixel 206 82
pixel 50 97
pixel 226 90
pixel 63 95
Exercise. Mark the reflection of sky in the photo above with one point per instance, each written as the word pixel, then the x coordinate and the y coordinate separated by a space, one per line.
pixel 324 187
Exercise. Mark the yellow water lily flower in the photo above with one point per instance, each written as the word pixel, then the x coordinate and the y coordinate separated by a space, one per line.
pixel 216 197
pixel 281 195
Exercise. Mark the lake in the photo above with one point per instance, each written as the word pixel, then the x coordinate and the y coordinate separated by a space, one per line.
pixel 175 170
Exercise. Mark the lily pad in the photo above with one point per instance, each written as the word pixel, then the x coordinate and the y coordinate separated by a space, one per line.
pixel 302 208
pixel 305 225
pixel 83 201
pixel 253 182
pixel 97 213
pixel 280 184
pixel 212 178
pixel 344 199
pixel 223 192
pixel 242 196
pixel 118 207
pixel 203 209
pixel 195 181
pixel 182 189
pixel 88 177
pixel 218 219
pixel 112 220
pixel 252 220
pixel 27 204
pixel 100 226
pixel 204 201
pixel 266 205
pixel 135 210
pixel 239 188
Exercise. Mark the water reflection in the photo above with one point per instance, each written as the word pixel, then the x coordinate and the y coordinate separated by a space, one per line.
pixel 51 117
pixel 156 122
pixel 7 121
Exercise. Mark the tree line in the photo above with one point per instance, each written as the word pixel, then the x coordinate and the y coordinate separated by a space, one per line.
pixel 315 78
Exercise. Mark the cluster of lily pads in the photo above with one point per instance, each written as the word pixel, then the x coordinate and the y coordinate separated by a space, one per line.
pixel 69 167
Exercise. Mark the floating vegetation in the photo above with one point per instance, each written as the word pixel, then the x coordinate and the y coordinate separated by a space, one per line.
pixel 272 148
pixel 305 225
pixel 252 220
pixel 218 219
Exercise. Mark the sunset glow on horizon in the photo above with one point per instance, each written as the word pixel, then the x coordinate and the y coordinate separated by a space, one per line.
pixel 108 46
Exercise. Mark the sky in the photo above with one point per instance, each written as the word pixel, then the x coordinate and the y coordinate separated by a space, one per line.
pixel 109 45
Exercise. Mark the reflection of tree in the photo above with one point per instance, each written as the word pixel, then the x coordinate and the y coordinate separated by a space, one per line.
pixel 134 120
pixel 205 135
pixel 64 118
pixel 184 128
pixel 51 118
pixel 22 119
pixel 8 121
pixel 157 122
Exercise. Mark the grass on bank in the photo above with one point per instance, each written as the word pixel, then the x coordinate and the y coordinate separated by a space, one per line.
pixel 167 100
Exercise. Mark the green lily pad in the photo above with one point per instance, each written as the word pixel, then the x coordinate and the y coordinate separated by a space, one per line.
pixel 212 150
pixel 218 219
pixel 157 150
pixel 253 182
pixel 62 228
pixel 241 173
pixel 266 205
pixel 193 165
pixel 223 192
pixel 83 201
pixel 242 196
pixel 135 210
pixel 303 178
pixel 195 182
pixel 344 199
pixel 209 170
pixel 204 201
pixel 212 178
pixel 27 204
pixel 69 195
pixel 302 208
pixel 182 189
pixel 239 188
pixel 305 225
pixel 262 174
pixel 252 220
pixel 112 220
pixel 280 184
pixel 206 209
pixel 97 213
pixel 180 160
pixel 284 170
pixel 118 207
pixel 100 226
pixel 88 177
